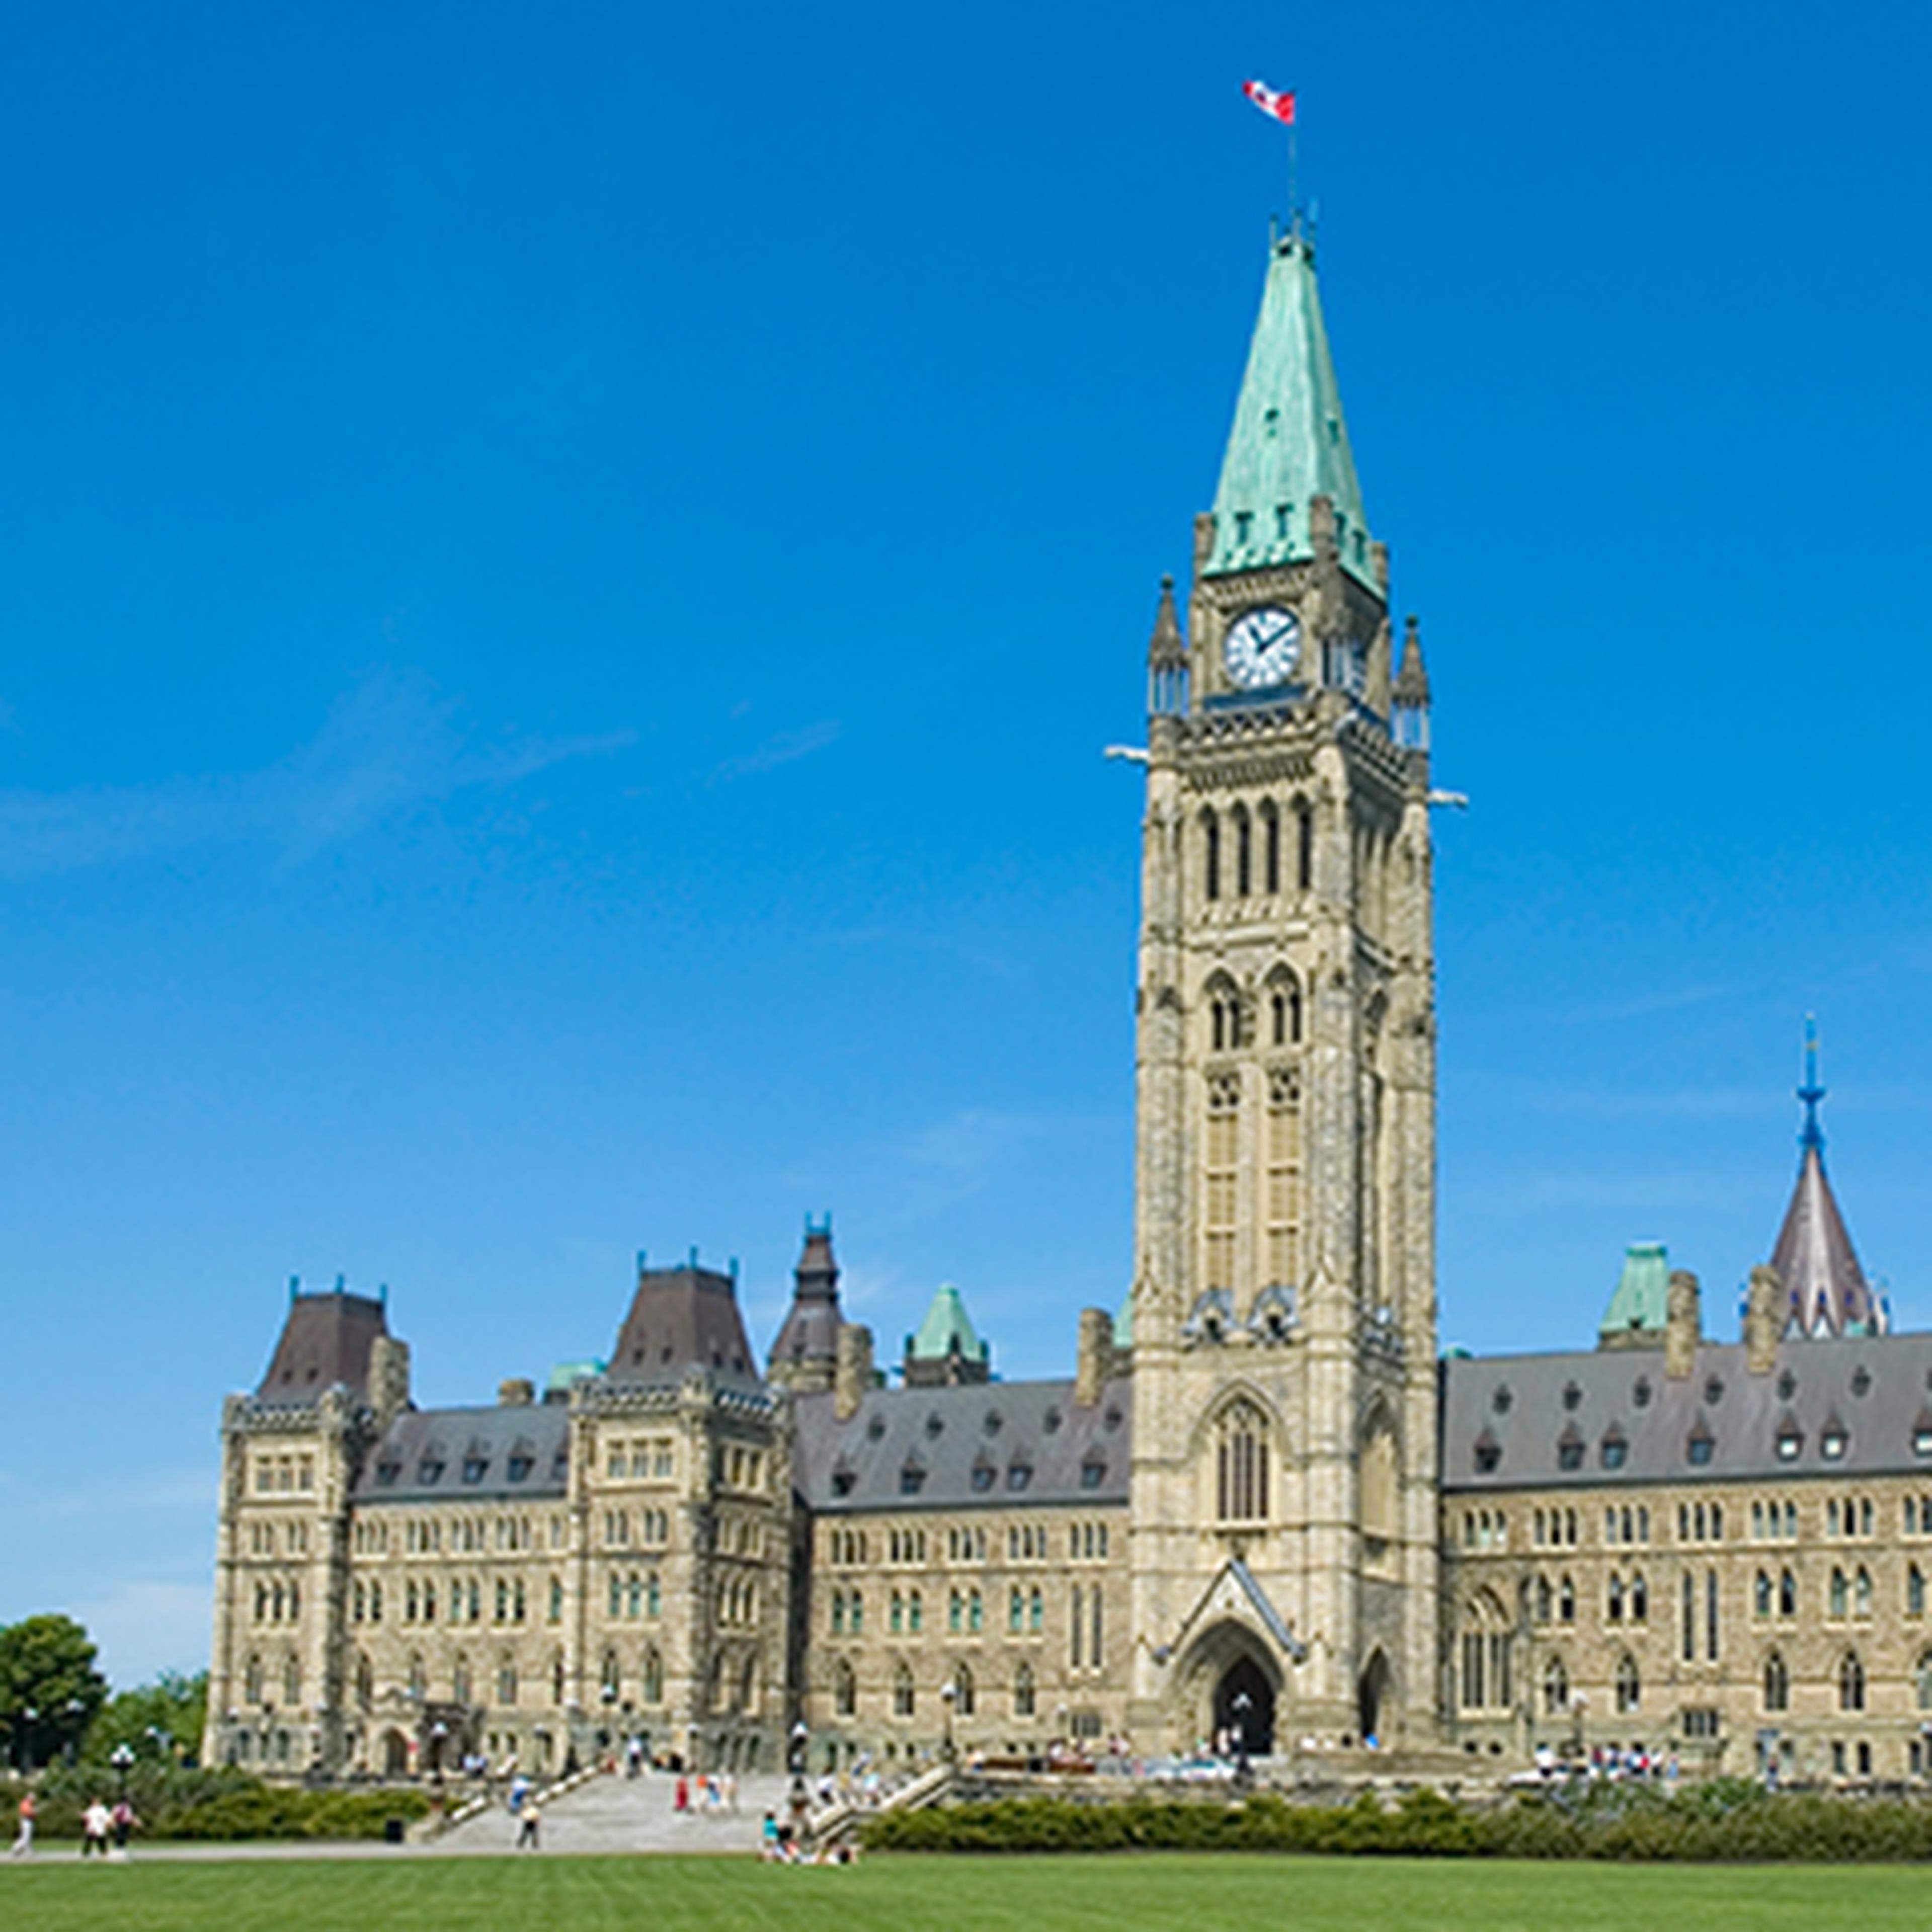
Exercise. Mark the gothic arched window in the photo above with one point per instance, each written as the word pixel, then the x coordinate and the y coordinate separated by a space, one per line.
pixel 651 1675
pixel 1555 1688
pixel 1244 852
pixel 506 1682
pixel 1023 1695
pixel 1241 1465
pixel 1270 818
pixel 845 1690
pixel 1304 846
pixel 1777 1683
pixel 1630 1685
pixel 1851 1683
pixel 904 1697
pixel 1210 855
pixel 1284 1008
pixel 964 1692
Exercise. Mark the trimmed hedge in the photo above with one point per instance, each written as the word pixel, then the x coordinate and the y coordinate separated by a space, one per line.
pixel 222 1803
pixel 1733 1822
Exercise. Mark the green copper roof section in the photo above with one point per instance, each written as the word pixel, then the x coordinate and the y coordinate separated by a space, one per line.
pixel 1123 1325
pixel 947 1322
pixel 1289 443
pixel 1643 1292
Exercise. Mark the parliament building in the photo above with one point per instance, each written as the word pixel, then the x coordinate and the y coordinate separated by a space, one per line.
pixel 1263 1503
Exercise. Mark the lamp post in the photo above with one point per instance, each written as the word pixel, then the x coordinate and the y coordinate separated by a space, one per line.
pixel 121 1758
pixel 799 1735
pixel 1579 1703
pixel 29 1717
pixel 949 1696
pixel 1239 1709
pixel 439 1735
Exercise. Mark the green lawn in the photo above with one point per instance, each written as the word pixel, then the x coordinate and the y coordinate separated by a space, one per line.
pixel 1174 1891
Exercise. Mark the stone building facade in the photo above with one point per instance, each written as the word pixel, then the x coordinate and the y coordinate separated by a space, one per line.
pixel 1261 1507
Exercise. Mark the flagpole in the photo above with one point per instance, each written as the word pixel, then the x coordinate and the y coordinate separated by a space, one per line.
pixel 1294 213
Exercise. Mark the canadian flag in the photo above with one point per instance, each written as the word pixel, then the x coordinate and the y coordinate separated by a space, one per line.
pixel 1280 106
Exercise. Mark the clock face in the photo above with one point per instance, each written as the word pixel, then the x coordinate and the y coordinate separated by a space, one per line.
pixel 1263 647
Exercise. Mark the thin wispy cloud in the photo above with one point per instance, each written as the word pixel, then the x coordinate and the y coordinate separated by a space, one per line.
pixel 390 746
pixel 782 748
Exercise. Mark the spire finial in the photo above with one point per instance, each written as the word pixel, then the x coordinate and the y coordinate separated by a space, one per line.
pixel 1811 1136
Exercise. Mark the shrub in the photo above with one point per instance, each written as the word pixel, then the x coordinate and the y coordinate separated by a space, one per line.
pixel 1727 1820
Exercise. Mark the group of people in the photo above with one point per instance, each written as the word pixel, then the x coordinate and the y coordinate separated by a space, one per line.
pixel 105 1829
pixel 781 1843
pixel 713 1793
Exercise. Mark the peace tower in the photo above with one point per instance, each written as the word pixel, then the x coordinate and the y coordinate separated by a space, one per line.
pixel 1283 1559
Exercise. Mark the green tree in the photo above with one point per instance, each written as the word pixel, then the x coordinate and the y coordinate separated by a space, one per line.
pixel 50 1690
pixel 161 1720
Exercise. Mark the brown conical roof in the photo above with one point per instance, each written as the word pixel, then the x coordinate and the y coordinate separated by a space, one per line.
pixel 1815 1260
pixel 812 1324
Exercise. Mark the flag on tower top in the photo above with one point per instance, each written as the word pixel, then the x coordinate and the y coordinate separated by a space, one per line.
pixel 1278 107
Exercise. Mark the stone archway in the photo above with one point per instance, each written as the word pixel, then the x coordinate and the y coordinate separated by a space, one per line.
pixel 1244 1707
pixel 395 1754
pixel 1372 1694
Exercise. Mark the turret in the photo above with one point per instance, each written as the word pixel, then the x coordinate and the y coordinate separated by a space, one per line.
pixel 805 1355
pixel 1408 714
pixel 1167 659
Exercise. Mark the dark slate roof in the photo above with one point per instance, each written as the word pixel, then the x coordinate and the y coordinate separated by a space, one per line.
pixel 946 1434
pixel 325 1340
pixel 1876 1389
pixel 493 1443
pixel 681 1317
pixel 812 1324
pixel 1815 1259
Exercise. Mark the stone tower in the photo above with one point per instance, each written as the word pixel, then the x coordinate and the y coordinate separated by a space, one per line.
pixel 1284 1568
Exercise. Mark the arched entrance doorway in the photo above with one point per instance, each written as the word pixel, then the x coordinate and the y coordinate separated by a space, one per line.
pixel 395 1754
pixel 1371 1698
pixel 1244 1707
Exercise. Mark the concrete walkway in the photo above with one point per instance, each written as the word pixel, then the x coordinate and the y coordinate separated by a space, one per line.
pixel 616 1814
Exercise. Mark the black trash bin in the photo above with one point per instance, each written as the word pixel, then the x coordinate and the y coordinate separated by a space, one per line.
pixel 392 1831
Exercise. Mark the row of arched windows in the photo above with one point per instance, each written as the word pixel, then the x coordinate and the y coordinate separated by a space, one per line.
pixel 905 1692
pixel 1248 857
pixel 1231 1022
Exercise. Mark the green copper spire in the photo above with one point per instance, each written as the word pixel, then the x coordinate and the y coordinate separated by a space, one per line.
pixel 1637 1310
pixel 1289 443
pixel 947 1326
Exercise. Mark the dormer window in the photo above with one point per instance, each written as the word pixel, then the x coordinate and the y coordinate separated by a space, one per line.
pixel 1921 1439
pixel 1832 1444
pixel 1244 528
pixel 1573 1397
pixel 1281 512
pixel 1861 1381
pixel 1093 1472
pixel 875 1428
pixel 1614 1449
pixel 1640 1392
pixel 1714 1391
pixel 912 1477
pixel 474 1467
pixel 1790 1444
pixel 1699 1449
pixel 429 1470
pixel 1488 1454
pixel 520 1468
pixel 1500 1401
pixel 1019 1475
pixel 386 1474
pixel 1787 1386
pixel 984 1475
pixel 1569 1449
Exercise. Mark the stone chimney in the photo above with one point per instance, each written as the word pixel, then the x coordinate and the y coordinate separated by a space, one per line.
pixel 388 1379
pixel 517 1392
pixel 1094 1362
pixel 1763 1309
pixel 1683 1326
pixel 853 1376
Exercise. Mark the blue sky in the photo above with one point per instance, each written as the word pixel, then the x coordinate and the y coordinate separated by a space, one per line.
pixel 570 568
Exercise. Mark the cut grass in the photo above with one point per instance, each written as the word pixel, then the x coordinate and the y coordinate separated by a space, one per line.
pixel 1121 1893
